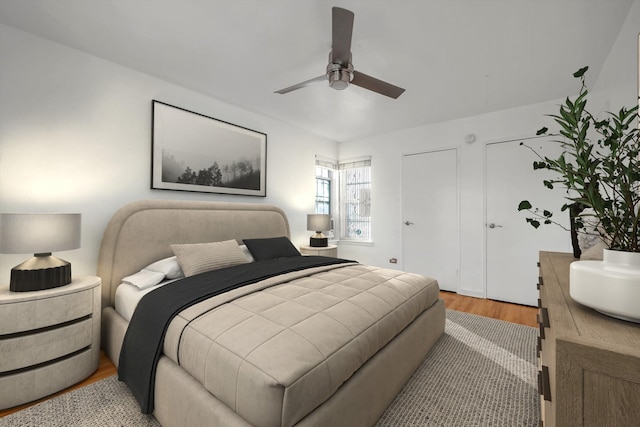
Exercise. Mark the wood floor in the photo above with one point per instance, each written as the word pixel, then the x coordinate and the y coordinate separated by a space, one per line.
pixel 514 313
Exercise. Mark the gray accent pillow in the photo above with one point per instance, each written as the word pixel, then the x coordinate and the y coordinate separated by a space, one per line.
pixel 200 257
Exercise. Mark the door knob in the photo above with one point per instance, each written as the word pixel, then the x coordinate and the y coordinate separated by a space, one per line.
pixel 492 225
pixel 408 223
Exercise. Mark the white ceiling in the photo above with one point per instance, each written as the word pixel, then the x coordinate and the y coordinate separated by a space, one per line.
pixel 455 58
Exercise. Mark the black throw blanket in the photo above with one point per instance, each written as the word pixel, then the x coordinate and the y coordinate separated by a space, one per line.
pixel 144 339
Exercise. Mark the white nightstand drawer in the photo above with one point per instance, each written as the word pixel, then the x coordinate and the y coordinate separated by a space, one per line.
pixel 40 313
pixel 40 382
pixel 28 350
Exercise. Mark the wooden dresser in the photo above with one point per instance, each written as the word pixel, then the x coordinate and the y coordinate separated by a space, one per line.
pixel 589 363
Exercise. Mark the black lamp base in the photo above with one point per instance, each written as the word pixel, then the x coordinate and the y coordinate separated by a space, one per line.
pixel 41 272
pixel 317 242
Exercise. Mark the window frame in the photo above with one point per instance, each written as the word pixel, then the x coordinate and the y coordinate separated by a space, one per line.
pixel 355 209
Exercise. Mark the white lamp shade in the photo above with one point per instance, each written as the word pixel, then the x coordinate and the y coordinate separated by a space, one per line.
pixel 318 222
pixel 39 233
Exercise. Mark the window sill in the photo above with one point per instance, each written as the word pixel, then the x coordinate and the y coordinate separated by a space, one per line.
pixel 354 242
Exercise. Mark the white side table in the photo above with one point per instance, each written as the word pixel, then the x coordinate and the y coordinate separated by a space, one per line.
pixel 49 339
pixel 330 251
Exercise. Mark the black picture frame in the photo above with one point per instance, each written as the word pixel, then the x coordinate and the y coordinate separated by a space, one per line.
pixel 194 152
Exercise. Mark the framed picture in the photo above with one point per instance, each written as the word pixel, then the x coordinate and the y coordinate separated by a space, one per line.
pixel 194 152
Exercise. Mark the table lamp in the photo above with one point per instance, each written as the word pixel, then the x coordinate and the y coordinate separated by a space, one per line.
pixel 39 234
pixel 318 223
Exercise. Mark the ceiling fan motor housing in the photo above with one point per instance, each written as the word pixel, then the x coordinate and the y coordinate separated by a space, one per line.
pixel 339 75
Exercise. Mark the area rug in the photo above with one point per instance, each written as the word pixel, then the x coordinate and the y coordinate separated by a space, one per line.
pixel 482 372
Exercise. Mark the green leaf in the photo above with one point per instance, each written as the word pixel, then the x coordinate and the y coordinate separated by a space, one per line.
pixel 533 222
pixel 601 123
pixel 541 131
pixel 539 165
pixel 580 72
pixel 524 205
pixel 547 214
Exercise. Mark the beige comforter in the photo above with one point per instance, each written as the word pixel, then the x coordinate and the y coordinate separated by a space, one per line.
pixel 275 355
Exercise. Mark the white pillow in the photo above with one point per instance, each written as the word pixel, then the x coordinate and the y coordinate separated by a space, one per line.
pixel 144 279
pixel 155 273
pixel 200 257
pixel 168 266
pixel 245 251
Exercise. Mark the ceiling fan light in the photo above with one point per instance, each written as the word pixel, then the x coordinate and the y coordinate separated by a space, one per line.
pixel 339 79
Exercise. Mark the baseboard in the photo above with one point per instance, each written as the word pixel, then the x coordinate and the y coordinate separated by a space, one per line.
pixel 471 293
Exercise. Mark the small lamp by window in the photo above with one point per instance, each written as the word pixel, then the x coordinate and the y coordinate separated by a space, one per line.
pixel 318 223
pixel 39 234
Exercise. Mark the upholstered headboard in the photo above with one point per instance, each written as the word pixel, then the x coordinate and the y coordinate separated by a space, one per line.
pixel 141 232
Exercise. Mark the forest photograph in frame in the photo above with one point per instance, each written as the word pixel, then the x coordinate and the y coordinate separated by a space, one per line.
pixel 194 152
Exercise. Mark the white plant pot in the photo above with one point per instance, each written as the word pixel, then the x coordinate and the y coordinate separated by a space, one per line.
pixel 610 286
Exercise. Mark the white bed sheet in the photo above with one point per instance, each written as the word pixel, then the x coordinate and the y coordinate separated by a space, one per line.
pixel 128 297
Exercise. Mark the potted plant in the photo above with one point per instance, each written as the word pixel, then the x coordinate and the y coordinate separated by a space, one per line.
pixel 600 170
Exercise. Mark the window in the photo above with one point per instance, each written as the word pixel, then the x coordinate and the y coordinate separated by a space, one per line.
pixel 355 200
pixel 324 177
pixel 325 190
pixel 350 184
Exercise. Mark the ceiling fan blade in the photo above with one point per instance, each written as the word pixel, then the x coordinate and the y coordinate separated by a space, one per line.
pixel 301 85
pixel 341 35
pixel 371 83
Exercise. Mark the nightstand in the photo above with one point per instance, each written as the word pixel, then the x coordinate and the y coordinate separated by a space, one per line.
pixel 49 340
pixel 330 251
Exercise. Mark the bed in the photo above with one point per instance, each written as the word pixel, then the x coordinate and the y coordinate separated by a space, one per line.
pixel 328 343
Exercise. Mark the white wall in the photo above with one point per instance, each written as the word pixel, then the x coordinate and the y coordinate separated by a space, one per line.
pixel 387 151
pixel 616 84
pixel 75 136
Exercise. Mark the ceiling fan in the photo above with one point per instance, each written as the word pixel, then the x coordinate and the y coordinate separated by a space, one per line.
pixel 340 71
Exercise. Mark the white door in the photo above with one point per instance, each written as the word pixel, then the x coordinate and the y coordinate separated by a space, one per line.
pixel 512 243
pixel 431 244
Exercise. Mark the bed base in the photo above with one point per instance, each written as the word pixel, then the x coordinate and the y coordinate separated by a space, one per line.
pixel 182 401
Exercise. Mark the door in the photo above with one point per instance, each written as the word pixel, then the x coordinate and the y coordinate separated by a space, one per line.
pixel 512 245
pixel 430 238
